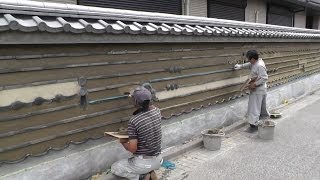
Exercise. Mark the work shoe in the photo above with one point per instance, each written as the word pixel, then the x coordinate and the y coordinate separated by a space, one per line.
pixel 150 176
pixel 252 128
pixel 153 175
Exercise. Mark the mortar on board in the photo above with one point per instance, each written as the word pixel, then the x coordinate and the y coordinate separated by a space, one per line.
pixel 123 131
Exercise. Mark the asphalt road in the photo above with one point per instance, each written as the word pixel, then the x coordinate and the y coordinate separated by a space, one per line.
pixel 293 154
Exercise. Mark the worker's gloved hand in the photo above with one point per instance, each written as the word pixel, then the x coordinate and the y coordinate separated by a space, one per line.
pixel 237 67
pixel 252 86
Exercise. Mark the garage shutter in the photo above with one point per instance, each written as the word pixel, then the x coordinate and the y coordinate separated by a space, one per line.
pixel 227 9
pixel 198 8
pixel 278 15
pixel 162 6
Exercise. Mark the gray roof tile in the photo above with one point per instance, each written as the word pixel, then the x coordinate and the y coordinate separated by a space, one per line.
pixel 163 29
pixel 214 31
pixel 188 30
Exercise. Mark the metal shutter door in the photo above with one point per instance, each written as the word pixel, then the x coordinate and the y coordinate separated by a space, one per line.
pixel 278 15
pixel 281 20
pixel 162 6
pixel 232 10
pixel 198 8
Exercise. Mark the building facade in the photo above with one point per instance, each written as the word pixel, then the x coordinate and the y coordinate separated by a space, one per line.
pixel 292 13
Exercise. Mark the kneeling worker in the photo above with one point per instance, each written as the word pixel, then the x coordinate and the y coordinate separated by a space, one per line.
pixel 257 107
pixel 144 130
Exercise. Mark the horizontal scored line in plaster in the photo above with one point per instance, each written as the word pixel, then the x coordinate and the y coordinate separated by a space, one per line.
pixel 38 83
pixel 69 120
pixel 97 101
pixel 313 65
pixel 311 69
pixel 44 139
pixel 308 73
pixel 21 57
pixel 199 100
pixel 29 69
pixel 289 55
pixel 292 60
pixel 49 149
pixel 34 113
pixel 38 56
pixel 89 78
pixel 148 72
pixel 93 78
pixel 291 70
pixel 65 121
pixel 170 93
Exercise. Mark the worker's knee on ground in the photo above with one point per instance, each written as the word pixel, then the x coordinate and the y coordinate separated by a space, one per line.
pixel 112 177
pixel 116 168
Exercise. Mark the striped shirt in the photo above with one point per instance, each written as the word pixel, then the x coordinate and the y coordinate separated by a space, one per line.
pixel 146 128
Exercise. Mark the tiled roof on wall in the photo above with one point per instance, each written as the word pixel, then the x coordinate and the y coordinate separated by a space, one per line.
pixel 27 23
pixel 29 16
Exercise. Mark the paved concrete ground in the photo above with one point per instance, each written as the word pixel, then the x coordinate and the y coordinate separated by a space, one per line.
pixel 293 154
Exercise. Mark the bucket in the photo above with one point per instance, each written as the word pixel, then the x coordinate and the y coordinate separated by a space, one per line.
pixel 266 129
pixel 212 139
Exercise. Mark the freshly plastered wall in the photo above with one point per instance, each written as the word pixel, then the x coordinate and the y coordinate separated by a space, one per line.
pixel 81 161
pixel 41 86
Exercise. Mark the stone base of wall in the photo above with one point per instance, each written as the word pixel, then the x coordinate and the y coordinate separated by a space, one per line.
pixel 79 162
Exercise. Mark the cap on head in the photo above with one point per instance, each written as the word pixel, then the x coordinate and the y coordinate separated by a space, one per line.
pixel 252 54
pixel 141 94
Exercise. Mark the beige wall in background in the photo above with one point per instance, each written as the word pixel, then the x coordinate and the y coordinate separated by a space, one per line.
pixel 300 20
pixel 197 8
pixel 256 11
pixel 59 1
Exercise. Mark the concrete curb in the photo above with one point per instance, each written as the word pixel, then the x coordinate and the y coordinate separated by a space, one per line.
pixel 295 100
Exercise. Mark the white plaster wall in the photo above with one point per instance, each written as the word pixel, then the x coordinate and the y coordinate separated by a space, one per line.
pixel 300 20
pixel 256 11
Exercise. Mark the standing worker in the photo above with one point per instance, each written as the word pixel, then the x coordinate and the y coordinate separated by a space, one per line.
pixel 257 106
pixel 144 130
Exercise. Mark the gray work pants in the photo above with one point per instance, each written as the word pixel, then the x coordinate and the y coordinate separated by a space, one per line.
pixel 133 167
pixel 257 108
